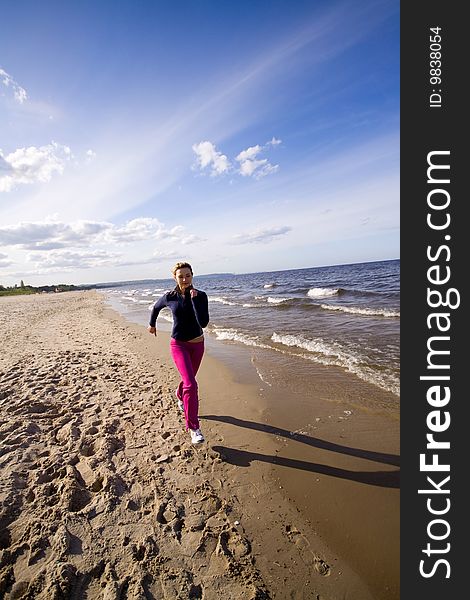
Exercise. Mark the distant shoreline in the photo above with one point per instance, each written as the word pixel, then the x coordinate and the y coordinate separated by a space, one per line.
pixel 43 289
pixel 118 283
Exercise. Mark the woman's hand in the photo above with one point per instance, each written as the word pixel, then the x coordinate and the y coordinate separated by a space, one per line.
pixel 193 292
pixel 153 330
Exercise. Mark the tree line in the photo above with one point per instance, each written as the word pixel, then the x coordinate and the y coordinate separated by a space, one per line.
pixel 31 289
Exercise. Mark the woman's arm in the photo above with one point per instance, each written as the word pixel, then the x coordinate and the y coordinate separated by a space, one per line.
pixel 201 307
pixel 157 307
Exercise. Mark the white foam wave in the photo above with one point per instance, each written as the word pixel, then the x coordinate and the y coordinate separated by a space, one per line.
pixel 316 345
pixel 166 316
pixel 221 300
pixel 236 336
pixel 322 292
pixel 333 354
pixel 272 299
pixel 269 285
pixel 278 300
pixel 363 311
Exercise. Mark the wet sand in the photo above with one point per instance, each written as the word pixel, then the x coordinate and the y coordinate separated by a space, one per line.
pixel 103 496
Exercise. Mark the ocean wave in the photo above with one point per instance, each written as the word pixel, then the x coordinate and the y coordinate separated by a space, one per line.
pixel 233 335
pixel 272 300
pixel 222 301
pixel 322 292
pixel 380 312
pixel 268 286
pixel 278 300
pixel 316 345
pixel 328 354
pixel 166 316
pixel 333 354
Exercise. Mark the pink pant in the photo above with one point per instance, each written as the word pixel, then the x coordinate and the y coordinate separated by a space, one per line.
pixel 187 357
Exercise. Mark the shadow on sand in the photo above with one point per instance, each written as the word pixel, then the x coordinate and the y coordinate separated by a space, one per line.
pixel 243 458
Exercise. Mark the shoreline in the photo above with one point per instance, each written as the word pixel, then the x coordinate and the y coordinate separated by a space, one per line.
pixel 259 460
pixel 334 455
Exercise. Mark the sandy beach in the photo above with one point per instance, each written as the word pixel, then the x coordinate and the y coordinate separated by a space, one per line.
pixel 104 497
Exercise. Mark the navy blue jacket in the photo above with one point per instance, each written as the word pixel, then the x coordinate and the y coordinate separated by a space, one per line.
pixel 189 315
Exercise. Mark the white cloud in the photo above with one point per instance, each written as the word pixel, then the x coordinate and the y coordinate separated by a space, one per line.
pixel 19 93
pixel 249 153
pixel 62 260
pixel 31 165
pixel 143 228
pixel 54 247
pixel 257 168
pixel 51 234
pixel 208 156
pixel 261 235
pixel 173 233
pixel 68 260
pixel 192 239
pixel 251 166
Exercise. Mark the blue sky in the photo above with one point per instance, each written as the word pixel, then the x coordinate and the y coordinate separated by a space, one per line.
pixel 243 137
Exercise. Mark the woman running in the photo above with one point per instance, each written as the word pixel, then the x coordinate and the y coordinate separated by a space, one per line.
pixel 190 315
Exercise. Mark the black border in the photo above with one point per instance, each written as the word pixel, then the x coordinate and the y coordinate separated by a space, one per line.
pixel 425 129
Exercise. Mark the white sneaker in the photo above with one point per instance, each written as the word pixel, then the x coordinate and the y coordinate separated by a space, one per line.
pixel 196 436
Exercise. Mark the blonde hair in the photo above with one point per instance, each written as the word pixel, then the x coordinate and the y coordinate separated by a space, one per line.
pixel 181 265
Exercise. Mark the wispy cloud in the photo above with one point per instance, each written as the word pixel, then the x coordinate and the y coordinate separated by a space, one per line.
pixel 261 235
pixel 19 93
pixel 64 261
pixel 250 165
pixel 32 164
pixel 68 260
pixel 192 239
pixel 52 234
